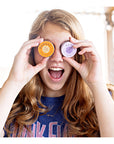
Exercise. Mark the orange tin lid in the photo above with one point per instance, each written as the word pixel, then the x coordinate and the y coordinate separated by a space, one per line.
pixel 46 49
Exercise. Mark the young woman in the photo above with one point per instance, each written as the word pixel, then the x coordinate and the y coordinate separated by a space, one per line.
pixel 56 96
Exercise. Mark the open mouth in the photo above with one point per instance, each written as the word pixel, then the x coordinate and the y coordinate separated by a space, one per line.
pixel 56 73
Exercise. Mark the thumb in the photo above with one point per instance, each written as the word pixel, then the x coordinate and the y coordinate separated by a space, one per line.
pixel 72 62
pixel 41 65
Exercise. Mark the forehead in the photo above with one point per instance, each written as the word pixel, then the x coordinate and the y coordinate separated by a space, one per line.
pixel 51 30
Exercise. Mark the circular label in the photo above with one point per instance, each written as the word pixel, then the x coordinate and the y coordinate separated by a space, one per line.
pixel 46 49
pixel 68 50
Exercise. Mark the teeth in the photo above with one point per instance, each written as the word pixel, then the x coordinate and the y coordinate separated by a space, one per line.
pixel 56 69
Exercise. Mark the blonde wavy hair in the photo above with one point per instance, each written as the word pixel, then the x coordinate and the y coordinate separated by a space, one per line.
pixel 78 105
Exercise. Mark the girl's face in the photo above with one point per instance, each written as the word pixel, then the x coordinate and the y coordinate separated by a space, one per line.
pixel 57 71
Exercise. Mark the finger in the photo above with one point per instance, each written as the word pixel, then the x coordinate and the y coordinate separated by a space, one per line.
pixel 89 53
pixel 86 50
pixel 27 46
pixel 32 43
pixel 87 56
pixel 33 40
pixel 81 43
pixel 73 40
pixel 72 62
pixel 76 41
pixel 41 65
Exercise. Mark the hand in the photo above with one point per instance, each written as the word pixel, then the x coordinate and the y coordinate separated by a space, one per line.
pixel 22 71
pixel 90 68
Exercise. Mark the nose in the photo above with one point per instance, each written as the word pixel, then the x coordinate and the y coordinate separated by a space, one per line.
pixel 57 56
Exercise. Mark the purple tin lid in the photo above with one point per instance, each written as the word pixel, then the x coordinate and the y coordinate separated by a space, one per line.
pixel 68 50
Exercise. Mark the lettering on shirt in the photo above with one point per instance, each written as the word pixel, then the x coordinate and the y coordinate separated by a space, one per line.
pixel 39 129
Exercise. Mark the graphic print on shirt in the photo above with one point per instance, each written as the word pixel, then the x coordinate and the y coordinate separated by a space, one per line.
pixel 54 130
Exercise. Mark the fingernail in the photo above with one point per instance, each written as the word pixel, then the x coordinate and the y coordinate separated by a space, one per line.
pixel 74 39
pixel 38 37
pixel 41 39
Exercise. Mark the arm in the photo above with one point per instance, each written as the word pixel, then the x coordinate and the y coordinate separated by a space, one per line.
pixel 8 93
pixel 105 109
pixel 91 72
pixel 21 73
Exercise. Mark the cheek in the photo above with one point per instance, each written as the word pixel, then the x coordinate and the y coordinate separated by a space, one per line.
pixel 68 68
pixel 37 57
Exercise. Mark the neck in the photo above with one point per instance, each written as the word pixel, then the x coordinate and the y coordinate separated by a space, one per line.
pixel 53 93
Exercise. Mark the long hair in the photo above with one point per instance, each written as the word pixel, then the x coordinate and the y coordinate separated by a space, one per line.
pixel 78 105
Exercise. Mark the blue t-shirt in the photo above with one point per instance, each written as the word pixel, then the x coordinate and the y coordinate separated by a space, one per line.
pixel 51 124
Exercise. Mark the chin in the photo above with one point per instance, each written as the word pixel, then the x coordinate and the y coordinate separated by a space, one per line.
pixel 56 87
